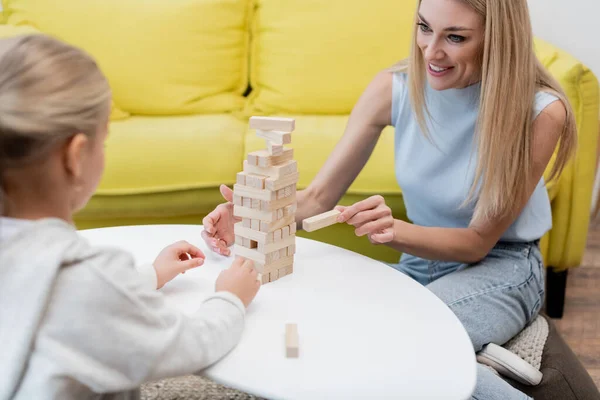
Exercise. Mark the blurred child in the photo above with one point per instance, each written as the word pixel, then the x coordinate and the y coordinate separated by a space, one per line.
pixel 76 321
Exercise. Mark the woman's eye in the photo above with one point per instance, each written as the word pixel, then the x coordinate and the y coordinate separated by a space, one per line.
pixel 423 27
pixel 456 38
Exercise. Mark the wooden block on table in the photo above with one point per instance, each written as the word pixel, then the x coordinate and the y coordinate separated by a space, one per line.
pixel 320 221
pixel 291 341
pixel 274 275
pixel 262 158
pixel 273 123
pixel 280 183
pixel 277 137
pixel 274 149
pixel 274 171
pixel 254 193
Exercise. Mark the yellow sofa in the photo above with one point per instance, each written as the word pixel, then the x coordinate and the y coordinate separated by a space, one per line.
pixel 187 75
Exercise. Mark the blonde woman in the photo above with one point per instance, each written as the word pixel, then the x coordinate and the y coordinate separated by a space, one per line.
pixel 78 322
pixel 477 120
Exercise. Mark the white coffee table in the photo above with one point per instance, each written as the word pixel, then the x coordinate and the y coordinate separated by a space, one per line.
pixel 365 330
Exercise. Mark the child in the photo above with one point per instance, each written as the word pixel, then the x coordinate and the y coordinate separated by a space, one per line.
pixel 76 321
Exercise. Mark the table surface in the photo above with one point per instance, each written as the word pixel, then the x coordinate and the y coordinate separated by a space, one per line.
pixel 365 330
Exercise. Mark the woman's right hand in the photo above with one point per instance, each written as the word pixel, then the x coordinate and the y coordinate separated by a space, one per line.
pixel 241 279
pixel 218 225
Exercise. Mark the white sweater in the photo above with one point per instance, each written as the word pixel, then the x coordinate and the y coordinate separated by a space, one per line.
pixel 78 322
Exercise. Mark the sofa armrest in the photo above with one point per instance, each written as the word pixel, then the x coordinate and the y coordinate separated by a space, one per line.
pixel 564 245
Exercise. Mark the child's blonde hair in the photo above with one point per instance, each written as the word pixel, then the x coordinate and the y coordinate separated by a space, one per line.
pixel 49 91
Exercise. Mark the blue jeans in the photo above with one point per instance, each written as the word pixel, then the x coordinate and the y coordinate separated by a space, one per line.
pixel 494 299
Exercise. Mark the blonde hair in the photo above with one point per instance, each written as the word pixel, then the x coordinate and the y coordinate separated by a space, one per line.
pixel 49 91
pixel 511 75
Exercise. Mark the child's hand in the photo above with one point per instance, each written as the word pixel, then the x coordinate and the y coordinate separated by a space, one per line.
pixel 176 259
pixel 218 225
pixel 371 217
pixel 240 279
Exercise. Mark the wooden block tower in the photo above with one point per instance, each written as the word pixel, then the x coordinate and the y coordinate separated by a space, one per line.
pixel 265 198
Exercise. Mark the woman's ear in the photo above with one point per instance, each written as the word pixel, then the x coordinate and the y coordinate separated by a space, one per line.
pixel 74 155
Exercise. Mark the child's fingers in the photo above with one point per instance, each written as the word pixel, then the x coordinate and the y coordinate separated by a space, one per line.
pixel 227 193
pixel 189 264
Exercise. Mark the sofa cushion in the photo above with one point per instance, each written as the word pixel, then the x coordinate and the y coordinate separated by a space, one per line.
pixel 313 141
pixel 161 57
pixel 291 73
pixel 162 154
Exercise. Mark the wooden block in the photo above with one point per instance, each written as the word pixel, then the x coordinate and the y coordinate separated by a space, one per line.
pixel 274 149
pixel 273 123
pixel 237 200
pixel 256 235
pixel 241 178
pixel 293 228
pixel 277 235
pixel 274 275
pixel 277 137
pixel 283 262
pixel 320 221
pixel 291 341
pixel 282 272
pixel 260 258
pixel 285 232
pixel 255 204
pixel 255 224
pixel 290 210
pixel 262 158
pixel 246 222
pixel 271 226
pixel 276 245
pixel 287 180
pixel 251 213
pixel 277 204
pixel 265 278
pixel 239 240
pixel 255 181
pixel 291 250
pixel 274 171
pixel 280 213
pixel 254 193
pixel 246 242
pixel 246 202
pixel 283 252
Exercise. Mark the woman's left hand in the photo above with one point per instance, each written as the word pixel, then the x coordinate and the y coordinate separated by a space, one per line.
pixel 371 217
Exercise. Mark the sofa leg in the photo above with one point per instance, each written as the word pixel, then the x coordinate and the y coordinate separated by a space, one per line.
pixel 556 283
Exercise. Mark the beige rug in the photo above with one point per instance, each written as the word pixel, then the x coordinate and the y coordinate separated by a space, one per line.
pixel 190 387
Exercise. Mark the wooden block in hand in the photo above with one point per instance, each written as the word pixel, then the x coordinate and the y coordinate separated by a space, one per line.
pixel 320 221
pixel 291 341
pixel 273 124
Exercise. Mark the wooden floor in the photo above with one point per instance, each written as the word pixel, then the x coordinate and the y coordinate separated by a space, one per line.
pixel 580 325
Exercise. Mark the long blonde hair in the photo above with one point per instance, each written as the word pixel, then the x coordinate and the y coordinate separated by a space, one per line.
pixel 49 91
pixel 511 75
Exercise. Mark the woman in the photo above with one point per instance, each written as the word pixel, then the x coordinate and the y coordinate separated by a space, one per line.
pixel 477 120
